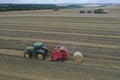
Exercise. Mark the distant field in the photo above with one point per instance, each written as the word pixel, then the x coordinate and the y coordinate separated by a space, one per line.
pixel 96 36
pixel 113 13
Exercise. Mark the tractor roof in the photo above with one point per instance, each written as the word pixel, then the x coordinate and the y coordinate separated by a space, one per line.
pixel 38 44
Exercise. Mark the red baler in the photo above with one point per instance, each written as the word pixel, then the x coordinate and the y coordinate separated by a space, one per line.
pixel 59 53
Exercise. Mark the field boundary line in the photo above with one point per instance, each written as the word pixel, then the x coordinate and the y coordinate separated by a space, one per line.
pixel 62 42
pixel 62 33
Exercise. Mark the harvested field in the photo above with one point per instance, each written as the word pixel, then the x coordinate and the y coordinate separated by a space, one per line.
pixel 20 68
pixel 97 37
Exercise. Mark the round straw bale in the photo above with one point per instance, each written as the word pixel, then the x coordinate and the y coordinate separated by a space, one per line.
pixel 77 57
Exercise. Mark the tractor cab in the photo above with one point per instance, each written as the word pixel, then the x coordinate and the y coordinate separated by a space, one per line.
pixel 38 45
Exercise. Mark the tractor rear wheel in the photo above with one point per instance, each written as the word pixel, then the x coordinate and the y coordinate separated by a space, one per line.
pixel 27 55
pixel 40 56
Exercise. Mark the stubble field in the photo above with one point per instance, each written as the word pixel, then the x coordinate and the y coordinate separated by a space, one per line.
pixel 96 36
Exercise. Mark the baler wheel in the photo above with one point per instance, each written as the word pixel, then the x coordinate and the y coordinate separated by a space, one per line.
pixel 60 60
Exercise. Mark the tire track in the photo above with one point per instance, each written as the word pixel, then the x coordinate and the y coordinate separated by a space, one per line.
pixel 78 38
pixel 62 42
pixel 70 27
pixel 62 33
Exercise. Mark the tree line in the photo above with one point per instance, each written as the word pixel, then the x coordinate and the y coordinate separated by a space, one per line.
pixel 19 7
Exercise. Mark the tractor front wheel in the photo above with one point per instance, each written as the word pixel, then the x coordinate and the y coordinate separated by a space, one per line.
pixel 40 56
pixel 27 55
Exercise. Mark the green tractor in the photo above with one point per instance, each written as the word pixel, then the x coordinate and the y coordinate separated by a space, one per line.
pixel 38 50
pixel 99 11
